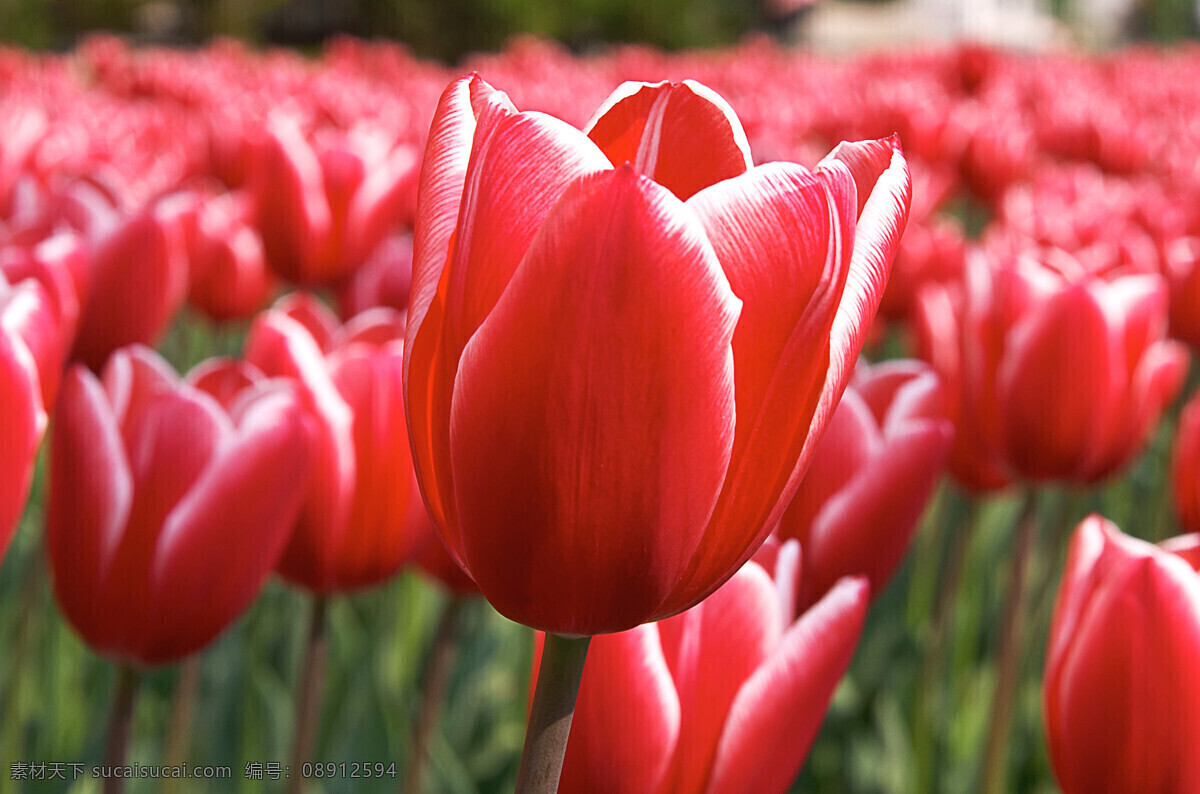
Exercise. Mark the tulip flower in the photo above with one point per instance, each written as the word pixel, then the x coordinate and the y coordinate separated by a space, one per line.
pixel 384 279
pixel 59 264
pixel 1121 698
pixel 871 476
pixel 138 281
pixel 323 205
pixel 228 276
pixel 30 345
pixel 623 345
pixel 726 697
pixel 165 512
pixel 1056 373
pixel 363 517
pixel 1181 267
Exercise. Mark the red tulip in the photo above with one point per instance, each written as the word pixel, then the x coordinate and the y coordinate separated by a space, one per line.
pixel 726 697
pixel 323 205
pixel 384 279
pixel 612 392
pixel 1055 373
pixel 166 513
pixel 363 517
pixel 30 345
pixel 228 274
pixel 138 281
pixel 871 475
pixel 1181 267
pixel 1121 698
pixel 51 265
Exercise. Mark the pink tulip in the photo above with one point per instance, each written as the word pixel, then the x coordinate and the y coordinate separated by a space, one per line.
pixel 623 346
pixel 724 698
pixel 871 476
pixel 166 513
pixel 1121 698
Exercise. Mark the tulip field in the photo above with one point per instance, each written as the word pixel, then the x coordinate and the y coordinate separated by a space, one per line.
pixel 795 423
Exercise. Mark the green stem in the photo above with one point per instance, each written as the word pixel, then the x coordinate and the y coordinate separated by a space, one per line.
pixel 434 680
pixel 187 691
pixel 14 693
pixel 120 726
pixel 995 763
pixel 550 716
pixel 308 697
pixel 931 691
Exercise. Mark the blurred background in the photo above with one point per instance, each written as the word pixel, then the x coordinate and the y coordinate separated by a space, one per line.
pixel 449 29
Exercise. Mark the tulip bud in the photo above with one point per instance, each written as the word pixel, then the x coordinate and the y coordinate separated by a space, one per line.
pixel 1121 698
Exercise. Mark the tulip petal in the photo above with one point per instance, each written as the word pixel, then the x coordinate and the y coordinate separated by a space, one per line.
pixel 381 203
pixel 1156 380
pixel 724 641
pixel 280 346
pixel 20 432
pixel 883 188
pixel 776 714
pixel 1121 715
pixel 783 241
pixel 593 411
pixel 519 166
pixel 1065 349
pixel 291 210
pixel 682 135
pixel 224 537
pixel 1082 571
pixel 170 444
pixel 312 313
pixel 900 390
pixel 626 722
pixel 387 520
pixel 90 498
pixel 224 378
pixel 865 528
pixel 139 279
pixel 443 173
pixel 439 196
pixel 851 444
